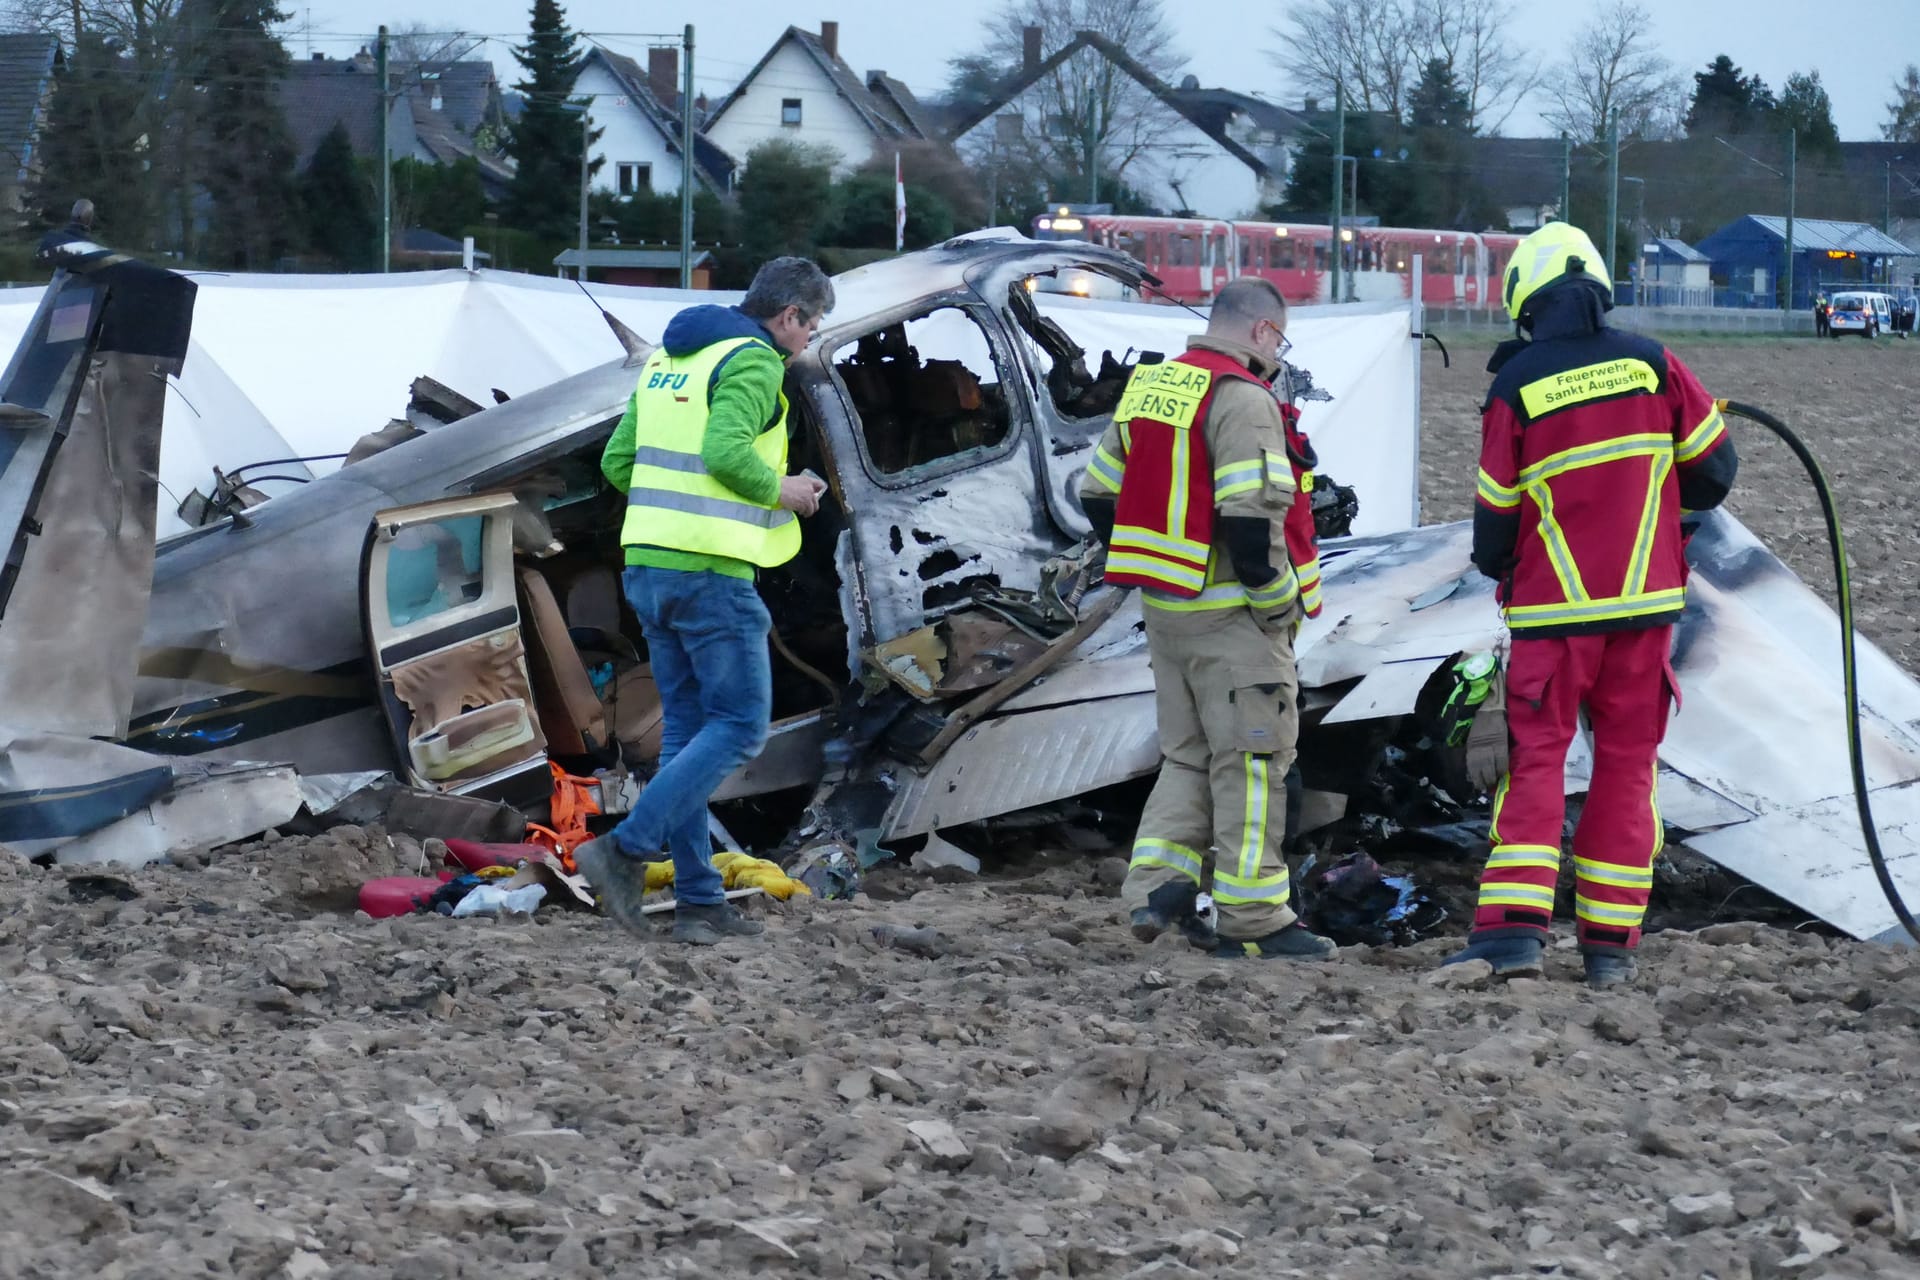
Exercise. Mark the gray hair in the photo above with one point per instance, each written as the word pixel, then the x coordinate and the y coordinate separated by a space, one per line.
pixel 1245 302
pixel 788 282
pixel 83 212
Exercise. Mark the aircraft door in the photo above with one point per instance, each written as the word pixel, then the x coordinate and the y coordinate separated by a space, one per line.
pixel 443 627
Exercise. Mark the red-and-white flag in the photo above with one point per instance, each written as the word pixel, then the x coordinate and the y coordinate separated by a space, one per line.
pixel 899 207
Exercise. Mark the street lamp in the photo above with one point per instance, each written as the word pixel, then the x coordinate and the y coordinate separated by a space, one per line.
pixel 1639 239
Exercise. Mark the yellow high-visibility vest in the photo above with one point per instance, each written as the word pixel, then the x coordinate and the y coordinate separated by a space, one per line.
pixel 671 500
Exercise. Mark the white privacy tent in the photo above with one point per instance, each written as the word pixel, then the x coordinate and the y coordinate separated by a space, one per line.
pixel 287 366
pixel 295 366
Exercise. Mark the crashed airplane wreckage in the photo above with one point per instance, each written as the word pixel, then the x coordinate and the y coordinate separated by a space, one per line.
pixel 447 606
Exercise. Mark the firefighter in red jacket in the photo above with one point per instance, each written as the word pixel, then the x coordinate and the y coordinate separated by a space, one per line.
pixel 1201 493
pixel 1595 443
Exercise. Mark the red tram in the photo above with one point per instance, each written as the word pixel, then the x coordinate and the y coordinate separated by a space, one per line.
pixel 1193 257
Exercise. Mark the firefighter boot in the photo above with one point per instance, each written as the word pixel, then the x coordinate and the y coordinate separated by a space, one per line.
pixel 1608 966
pixel 1175 903
pixel 709 924
pixel 1513 953
pixel 1295 942
pixel 619 880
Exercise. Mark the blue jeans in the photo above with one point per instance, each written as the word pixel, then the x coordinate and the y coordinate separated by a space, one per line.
pixel 707 636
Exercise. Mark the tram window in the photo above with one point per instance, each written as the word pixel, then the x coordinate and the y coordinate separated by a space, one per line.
pixel 1322 260
pixel 1186 250
pixel 1282 253
pixel 1468 258
pixel 1440 260
pixel 1246 253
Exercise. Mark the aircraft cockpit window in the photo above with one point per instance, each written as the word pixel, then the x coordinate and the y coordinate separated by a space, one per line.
pixel 925 390
pixel 434 568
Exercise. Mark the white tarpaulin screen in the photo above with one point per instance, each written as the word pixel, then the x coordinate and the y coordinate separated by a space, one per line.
pixel 296 366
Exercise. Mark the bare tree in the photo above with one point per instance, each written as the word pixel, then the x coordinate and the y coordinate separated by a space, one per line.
pixel 1469 36
pixel 1088 106
pixel 1613 66
pixel 1367 45
pixel 1378 49
pixel 416 42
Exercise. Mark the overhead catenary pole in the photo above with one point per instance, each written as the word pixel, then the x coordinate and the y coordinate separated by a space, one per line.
pixel 386 153
pixel 1339 181
pixel 1566 177
pixel 1093 154
pixel 1613 190
pixel 586 132
pixel 1793 148
pixel 686 162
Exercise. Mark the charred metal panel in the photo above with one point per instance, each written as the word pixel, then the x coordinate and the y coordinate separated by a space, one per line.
pixel 1018 761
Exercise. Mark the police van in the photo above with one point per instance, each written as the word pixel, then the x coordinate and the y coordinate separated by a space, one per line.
pixel 1864 313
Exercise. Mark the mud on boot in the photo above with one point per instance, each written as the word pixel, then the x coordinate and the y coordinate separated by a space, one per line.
pixel 1295 942
pixel 1609 967
pixel 619 880
pixel 704 925
pixel 1513 953
pixel 1173 905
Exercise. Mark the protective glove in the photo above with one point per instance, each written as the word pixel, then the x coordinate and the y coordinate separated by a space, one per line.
pixel 1487 744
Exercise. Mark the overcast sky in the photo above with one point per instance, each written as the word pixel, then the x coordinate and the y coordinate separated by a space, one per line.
pixel 1858 52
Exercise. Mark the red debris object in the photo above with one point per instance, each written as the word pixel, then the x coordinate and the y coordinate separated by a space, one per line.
pixel 473 855
pixel 399 895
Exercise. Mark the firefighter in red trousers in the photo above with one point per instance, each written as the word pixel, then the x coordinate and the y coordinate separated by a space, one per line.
pixel 1594 444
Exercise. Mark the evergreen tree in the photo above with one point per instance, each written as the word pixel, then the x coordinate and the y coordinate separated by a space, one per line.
pixel 250 158
pixel 448 198
pixel 1903 113
pixel 338 204
pixel 1441 124
pixel 545 142
pixel 92 145
pixel 1725 102
pixel 1806 109
pixel 785 199
pixel 863 214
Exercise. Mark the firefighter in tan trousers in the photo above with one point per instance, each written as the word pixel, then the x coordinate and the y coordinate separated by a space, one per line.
pixel 1190 489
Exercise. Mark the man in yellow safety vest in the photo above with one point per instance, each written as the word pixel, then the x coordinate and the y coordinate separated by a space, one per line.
pixel 702 457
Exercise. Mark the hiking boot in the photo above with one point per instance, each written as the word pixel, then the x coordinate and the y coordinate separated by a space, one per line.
pixel 708 924
pixel 1513 953
pixel 619 880
pixel 1175 903
pixel 1608 967
pixel 1295 942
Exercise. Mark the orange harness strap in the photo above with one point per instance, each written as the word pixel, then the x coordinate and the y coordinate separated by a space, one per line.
pixel 573 802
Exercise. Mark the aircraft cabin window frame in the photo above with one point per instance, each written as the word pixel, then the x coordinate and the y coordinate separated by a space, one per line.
pixel 967 459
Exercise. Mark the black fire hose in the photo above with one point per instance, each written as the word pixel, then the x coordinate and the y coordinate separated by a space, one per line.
pixel 1844 592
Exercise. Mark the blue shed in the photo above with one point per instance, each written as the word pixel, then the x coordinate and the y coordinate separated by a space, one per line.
pixel 1748 258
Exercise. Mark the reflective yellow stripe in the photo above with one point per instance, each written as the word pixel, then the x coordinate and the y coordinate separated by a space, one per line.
pixel 1311 599
pixel 1232 890
pixel 1150 852
pixel 1495 494
pixel 1253 838
pixel 1281 590
pixel 1608 912
pixel 1155 569
pixel 1702 437
pixel 1225 595
pixel 1177 492
pixel 1107 469
pixel 1518 861
pixel 1234 479
pixel 1517 895
pixel 1543 615
pixel 1649 524
pixel 1588 455
pixel 1659 826
pixel 1559 554
pixel 1591 382
pixel 1133 537
pixel 1493 826
pixel 1613 874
